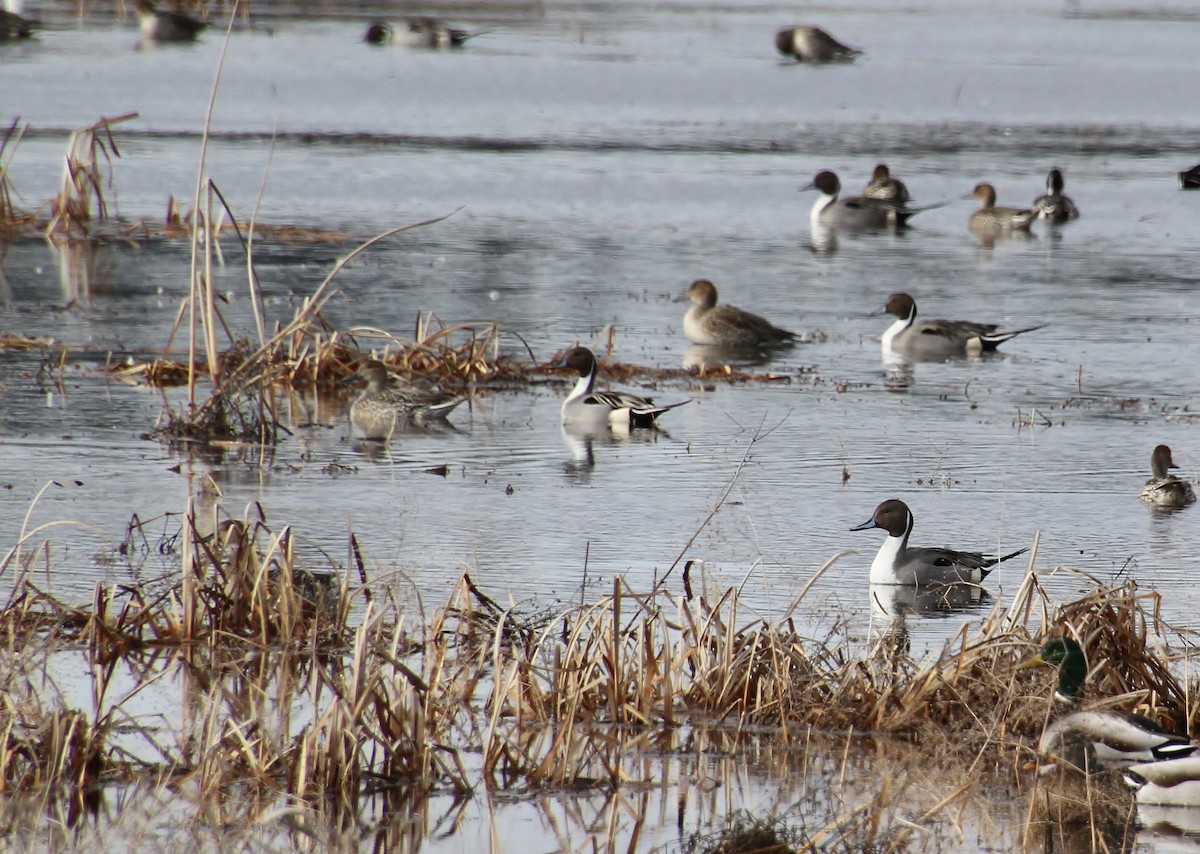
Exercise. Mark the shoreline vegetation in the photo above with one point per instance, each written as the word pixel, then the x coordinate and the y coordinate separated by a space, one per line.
pixel 301 699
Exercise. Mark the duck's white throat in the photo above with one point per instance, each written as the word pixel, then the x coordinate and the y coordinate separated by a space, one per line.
pixel 889 334
pixel 883 568
pixel 822 202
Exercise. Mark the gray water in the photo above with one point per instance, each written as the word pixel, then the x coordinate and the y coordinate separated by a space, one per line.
pixel 597 158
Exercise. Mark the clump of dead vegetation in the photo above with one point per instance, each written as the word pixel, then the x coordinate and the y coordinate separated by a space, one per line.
pixel 482 694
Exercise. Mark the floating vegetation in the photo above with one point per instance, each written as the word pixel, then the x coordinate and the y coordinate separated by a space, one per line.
pixel 404 705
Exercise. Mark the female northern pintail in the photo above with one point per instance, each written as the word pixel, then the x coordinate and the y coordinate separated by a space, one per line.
pixel 726 326
pixel 858 212
pixel 13 24
pixel 883 186
pixel 1088 741
pixel 896 563
pixel 383 406
pixel 990 218
pixel 587 408
pixel 812 44
pixel 166 26
pixel 1054 206
pixel 1164 489
pixel 418 32
pixel 937 339
pixel 1189 179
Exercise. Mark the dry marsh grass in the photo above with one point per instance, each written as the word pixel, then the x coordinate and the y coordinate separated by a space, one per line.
pixel 308 687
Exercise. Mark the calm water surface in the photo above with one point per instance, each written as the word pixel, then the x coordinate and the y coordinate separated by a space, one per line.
pixel 599 158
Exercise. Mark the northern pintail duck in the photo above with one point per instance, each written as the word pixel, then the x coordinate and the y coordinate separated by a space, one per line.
pixel 937 339
pixel 883 186
pixel 991 219
pixel 1189 179
pixel 858 212
pixel 383 406
pixel 585 407
pixel 1165 489
pixel 13 24
pixel 160 26
pixel 812 44
pixel 1053 206
pixel 896 563
pixel 1094 740
pixel 726 326
pixel 418 32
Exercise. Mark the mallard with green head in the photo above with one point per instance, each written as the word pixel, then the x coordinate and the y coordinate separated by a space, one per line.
pixel 1101 738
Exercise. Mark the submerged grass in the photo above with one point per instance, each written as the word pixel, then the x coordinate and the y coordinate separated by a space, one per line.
pixel 308 687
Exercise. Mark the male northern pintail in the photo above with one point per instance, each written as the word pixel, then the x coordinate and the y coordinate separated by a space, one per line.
pixel 13 23
pixel 937 339
pixel 857 212
pixel 418 32
pixel 383 406
pixel 1054 206
pixel 896 563
pixel 1165 489
pixel 160 26
pixel 587 408
pixel 991 219
pixel 883 186
pixel 1088 741
pixel 1189 179
pixel 812 44
pixel 726 326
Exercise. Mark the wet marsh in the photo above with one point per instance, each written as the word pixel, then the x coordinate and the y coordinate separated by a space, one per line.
pixel 589 163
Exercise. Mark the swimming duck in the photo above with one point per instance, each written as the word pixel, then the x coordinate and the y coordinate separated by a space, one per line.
pixel 726 326
pixel 383 406
pixel 1054 206
pixel 418 32
pixel 166 26
pixel 13 24
pixel 937 339
pixel 858 212
pixel 1163 489
pixel 1099 739
pixel 896 563
pixel 1189 179
pixel 991 219
pixel 587 408
pixel 812 44
pixel 883 186
pixel 1173 782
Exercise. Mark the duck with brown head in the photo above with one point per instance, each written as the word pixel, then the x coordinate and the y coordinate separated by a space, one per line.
pixel 383 406
pixel 990 219
pixel 728 326
pixel 896 563
pixel 812 44
pixel 1164 490
pixel 854 213
pixel 937 339
pixel 1053 206
pixel 885 187
pixel 589 409
pixel 166 27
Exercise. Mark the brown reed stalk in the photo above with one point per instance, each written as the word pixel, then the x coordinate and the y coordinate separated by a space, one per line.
pixel 86 172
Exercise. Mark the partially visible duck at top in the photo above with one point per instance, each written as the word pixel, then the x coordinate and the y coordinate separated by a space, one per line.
pixel 1096 739
pixel 896 563
pixel 1189 179
pixel 727 326
pixel 886 188
pixel 587 408
pixel 13 23
pixel 1053 206
pixel 937 339
pixel 160 26
pixel 858 212
pixel 991 219
pixel 1163 489
pixel 418 32
pixel 812 44
pixel 384 406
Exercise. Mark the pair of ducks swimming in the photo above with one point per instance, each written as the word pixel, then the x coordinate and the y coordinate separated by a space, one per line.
pixel 1160 765
pixel 155 24
pixel 732 328
pixel 884 204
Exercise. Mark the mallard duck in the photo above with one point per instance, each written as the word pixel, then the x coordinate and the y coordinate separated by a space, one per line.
pixel 383 406
pixel 590 409
pixel 1098 739
pixel 1175 782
